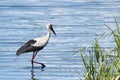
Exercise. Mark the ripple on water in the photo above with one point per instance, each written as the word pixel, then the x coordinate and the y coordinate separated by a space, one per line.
pixel 76 22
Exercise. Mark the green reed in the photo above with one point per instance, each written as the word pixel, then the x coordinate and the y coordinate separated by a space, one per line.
pixel 99 64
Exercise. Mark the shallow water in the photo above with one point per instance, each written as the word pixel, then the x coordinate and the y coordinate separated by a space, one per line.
pixel 76 22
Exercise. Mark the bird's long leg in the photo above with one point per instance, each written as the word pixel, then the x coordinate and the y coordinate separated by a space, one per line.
pixel 43 65
pixel 32 60
pixel 34 54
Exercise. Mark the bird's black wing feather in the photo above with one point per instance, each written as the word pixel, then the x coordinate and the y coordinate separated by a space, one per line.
pixel 30 42
pixel 26 47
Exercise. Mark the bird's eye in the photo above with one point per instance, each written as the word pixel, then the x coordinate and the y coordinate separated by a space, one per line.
pixel 50 26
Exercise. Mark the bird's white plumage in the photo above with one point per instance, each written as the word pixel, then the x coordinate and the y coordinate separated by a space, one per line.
pixel 42 41
pixel 48 26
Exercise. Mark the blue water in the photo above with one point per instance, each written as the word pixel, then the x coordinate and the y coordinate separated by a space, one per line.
pixel 76 22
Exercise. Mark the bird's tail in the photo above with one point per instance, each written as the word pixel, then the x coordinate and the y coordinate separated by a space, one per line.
pixel 20 51
pixel 24 49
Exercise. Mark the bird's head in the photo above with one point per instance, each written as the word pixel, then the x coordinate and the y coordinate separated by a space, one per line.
pixel 49 27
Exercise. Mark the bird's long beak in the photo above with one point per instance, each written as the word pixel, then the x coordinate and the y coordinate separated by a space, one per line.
pixel 53 31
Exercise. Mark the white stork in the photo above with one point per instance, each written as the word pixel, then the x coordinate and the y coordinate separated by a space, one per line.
pixel 34 45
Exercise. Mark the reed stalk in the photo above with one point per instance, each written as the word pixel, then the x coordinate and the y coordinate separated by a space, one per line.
pixel 99 65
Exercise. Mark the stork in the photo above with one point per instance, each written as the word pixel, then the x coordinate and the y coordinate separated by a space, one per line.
pixel 35 45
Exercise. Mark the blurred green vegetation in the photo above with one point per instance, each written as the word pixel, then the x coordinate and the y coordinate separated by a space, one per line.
pixel 103 64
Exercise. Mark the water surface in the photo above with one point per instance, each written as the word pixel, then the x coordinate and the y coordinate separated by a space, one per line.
pixel 76 22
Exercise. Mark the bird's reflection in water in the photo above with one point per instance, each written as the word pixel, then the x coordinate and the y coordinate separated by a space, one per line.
pixel 33 74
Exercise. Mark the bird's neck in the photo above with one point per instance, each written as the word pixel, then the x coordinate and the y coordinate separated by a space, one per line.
pixel 48 34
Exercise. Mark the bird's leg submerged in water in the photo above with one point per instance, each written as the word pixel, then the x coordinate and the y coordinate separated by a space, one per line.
pixel 32 61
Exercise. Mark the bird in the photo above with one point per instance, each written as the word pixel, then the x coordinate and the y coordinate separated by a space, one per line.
pixel 35 45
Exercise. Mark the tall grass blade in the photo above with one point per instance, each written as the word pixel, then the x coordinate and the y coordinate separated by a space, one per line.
pixel 103 66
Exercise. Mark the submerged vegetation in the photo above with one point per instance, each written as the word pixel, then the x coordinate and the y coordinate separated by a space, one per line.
pixel 102 64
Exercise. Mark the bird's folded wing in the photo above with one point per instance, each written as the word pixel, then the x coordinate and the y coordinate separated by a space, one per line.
pixel 25 47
